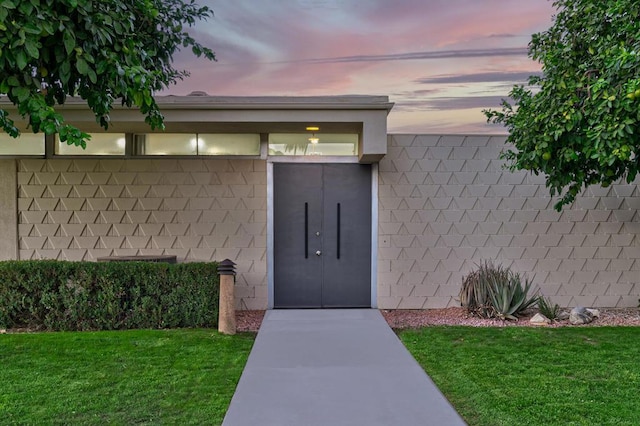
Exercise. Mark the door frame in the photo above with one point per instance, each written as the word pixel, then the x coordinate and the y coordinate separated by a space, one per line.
pixel 270 220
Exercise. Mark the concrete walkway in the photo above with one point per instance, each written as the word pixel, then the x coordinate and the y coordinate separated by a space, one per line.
pixel 334 367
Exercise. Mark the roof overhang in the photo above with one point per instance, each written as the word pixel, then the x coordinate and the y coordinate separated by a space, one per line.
pixel 366 115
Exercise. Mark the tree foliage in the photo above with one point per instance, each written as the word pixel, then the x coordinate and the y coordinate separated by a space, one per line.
pixel 579 123
pixel 101 51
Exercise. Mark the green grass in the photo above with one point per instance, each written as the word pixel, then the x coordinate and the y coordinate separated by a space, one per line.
pixel 531 376
pixel 120 377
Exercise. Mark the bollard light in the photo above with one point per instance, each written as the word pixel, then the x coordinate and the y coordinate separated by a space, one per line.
pixel 227 267
pixel 227 311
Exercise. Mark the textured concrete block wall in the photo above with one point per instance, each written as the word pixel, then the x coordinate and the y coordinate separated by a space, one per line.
pixel 197 209
pixel 446 203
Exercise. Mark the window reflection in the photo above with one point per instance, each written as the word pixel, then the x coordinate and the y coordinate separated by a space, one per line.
pixel 25 144
pixel 321 144
pixel 198 144
pixel 99 144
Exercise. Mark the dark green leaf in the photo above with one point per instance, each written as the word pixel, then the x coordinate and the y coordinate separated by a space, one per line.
pixel 25 7
pixel 69 40
pixel 21 59
pixel 65 72
pixel 31 28
pixel 22 93
pixel 82 66
pixel 32 48
pixel 92 76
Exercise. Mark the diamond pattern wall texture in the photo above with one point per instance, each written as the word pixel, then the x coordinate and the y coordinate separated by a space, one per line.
pixel 446 203
pixel 196 209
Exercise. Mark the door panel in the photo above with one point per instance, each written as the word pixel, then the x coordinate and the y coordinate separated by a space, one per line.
pixel 322 235
pixel 347 279
pixel 297 269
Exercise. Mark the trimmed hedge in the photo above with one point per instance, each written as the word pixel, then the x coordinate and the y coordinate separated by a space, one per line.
pixel 68 296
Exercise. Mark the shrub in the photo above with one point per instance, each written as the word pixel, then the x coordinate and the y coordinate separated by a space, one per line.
pixel 548 309
pixel 57 295
pixel 495 291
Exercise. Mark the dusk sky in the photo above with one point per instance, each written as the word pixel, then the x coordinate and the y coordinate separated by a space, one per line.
pixel 441 62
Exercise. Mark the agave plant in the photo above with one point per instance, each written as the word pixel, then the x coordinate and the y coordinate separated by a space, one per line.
pixel 495 291
pixel 475 294
pixel 547 308
pixel 510 297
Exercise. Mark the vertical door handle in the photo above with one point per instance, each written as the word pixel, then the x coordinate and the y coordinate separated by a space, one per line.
pixel 306 230
pixel 338 231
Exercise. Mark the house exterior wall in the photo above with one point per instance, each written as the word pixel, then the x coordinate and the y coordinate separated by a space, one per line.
pixel 8 210
pixel 197 209
pixel 446 203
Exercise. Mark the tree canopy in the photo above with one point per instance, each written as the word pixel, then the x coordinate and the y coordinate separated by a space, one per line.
pixel 579 123
pixel 101 51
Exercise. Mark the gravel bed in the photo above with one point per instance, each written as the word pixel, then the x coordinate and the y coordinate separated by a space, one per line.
pixel 249 320
pixel 406 318
pixel 459 316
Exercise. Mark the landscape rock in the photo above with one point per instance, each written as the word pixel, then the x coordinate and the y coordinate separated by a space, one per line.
pixel 564 315
pixel 539 319
pixel 594 312
pixel 580 315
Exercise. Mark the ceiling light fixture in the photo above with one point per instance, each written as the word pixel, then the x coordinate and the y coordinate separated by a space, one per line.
pixel 313 139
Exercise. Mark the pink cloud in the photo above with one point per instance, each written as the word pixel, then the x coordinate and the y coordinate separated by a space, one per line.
pixel 326 47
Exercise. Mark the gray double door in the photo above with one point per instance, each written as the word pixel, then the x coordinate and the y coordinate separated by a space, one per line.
pixel 322 235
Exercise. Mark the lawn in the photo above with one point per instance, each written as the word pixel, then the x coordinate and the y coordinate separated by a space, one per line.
pixel 120 377
pixel 532 376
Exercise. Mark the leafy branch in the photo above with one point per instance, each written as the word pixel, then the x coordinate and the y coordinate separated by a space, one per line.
pixel 579 122
pixel 99 51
